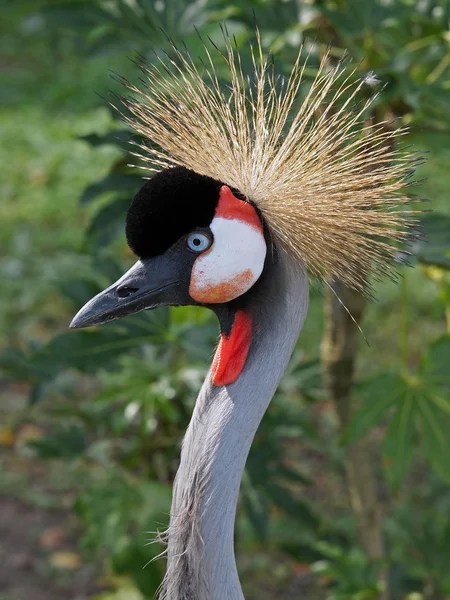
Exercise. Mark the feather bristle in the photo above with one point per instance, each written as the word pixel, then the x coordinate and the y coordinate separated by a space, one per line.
pixel 330 185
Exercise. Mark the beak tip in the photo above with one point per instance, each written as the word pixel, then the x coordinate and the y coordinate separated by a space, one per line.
pixel 74 324
pixel 79 320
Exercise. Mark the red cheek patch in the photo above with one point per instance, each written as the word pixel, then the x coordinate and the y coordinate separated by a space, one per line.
pixel 230 207
pixel 232 351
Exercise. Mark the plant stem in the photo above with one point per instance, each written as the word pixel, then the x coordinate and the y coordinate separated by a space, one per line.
pixel 404 323
pixel 339 350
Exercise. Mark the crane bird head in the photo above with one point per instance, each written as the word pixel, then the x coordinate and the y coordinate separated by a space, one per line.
pixel 256 184
pixel 197 243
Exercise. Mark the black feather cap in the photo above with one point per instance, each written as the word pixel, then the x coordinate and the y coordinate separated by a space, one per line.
pixel 171 204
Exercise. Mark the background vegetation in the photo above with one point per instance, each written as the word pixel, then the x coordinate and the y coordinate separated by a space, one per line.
pixel 346 491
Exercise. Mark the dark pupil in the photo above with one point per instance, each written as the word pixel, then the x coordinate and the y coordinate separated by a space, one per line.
pixel 196 241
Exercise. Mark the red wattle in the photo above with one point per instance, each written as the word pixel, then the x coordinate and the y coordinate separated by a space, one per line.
pixel 232 351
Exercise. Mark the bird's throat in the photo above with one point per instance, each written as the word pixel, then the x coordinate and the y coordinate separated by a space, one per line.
pixel 232 350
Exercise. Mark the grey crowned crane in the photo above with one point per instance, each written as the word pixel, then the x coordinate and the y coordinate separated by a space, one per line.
pixel 255 185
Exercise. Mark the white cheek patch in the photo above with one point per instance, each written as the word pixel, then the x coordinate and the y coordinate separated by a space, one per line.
pixel 232 265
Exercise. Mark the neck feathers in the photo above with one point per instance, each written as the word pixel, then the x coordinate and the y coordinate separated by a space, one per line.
pixel 201 563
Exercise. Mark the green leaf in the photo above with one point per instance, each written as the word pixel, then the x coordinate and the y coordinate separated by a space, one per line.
pixel 292 475
pixel 256 507
pixel 88 350
pixel 114 182
pixel 435 362
pixel 441 400
pixel 66 441
pixel 379 395
pixel 197 340
pixel 39 392
pixel 307 375
pixel 108 223
pixel 72 15
pixel 117 138
pixel 14 364
pixel 434 406
pixel 434 248
pixel 398 444
pixel 135 559
pixel 298 509
pixel 78 291
pixel 435 427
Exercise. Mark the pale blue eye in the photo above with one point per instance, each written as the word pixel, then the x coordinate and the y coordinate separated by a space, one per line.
pixel 198 242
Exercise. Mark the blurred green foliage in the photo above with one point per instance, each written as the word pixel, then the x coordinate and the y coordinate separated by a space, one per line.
pixel 119 397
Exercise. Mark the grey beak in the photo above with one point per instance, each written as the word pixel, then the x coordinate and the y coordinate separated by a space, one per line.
pixel 149 283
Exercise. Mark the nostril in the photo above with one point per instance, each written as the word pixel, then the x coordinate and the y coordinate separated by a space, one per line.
pixel 125 291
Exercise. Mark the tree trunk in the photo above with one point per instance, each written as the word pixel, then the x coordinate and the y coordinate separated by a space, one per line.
pixel 339 349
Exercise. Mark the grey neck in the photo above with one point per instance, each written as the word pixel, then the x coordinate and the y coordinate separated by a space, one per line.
pixel 201 563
